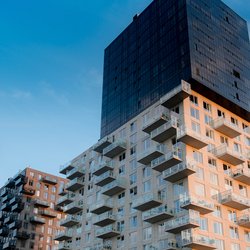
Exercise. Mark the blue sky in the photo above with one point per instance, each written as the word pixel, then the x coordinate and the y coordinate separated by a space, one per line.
pixel 51 62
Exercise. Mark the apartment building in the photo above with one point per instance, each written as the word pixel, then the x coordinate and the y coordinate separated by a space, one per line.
pixel 172 167
pixel 29 217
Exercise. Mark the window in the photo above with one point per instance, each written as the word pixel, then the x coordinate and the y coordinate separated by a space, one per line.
pixel 147 233
pixel 218 228
pixel 227 169
pixel 237 147
pixel 195 113
pixel 247 236
pixel 133 139
pixel 234 234
pixel 214 178
pixel 133 237
pixel 197 156
pixel 207 106
pixel 147 186
pixel 133 178
pixel 212 163
pixel 199 173
pixel 203 224
pixel 122 157
pixel 200 189
pixel 232 215
pixel 209 133
pixel 219 244
pixel 133 221
pixel 179 188
pixel 208 119
pixel 217 211
pixel 228 184
pixel 193 99
pixel 133 150
pixel 243 190
pixel 235 246
pixel 31 183
pixel 234 121
pixel 122 133
pixel 133 191
pixel 133 164
pixel 146 172
pixel 32 174
pixel 224 140
pixel 196 127
pixel 236 73
pixel 220 113
pixel 122 170
pixel 133 127
pixel 120 226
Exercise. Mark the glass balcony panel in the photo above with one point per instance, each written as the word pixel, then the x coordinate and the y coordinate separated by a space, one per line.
pixel 101 144
pixel 105 178
pixel 114 149
pixel 114 187
pixel 75 184
pixel 102 206
pixel 107 232
pixel 242 175
pixel 104 219
pixel 104 166
pixel 75 173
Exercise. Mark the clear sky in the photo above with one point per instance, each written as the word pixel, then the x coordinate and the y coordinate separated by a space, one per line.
pixel 51 63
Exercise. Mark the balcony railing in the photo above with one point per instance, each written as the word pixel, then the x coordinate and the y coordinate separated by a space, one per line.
pixel 75 184
pixel 104 166
pixel 66 167
pixel 168 160
pixel 65 200
pixel 65 246
pixel 242 175
pixel 47 213
pixel 177 95
pixel 75 173
pixel 41 203
pixel 74 207
pixel 114 149
pixel 64 235
pixel 191 137
pixel 155 122
pixel 37 219
pixel 176 225
pixel 226 127
pixel 49 179
pixel 107 232
pixel 104 178
pixel 179 171
pixel 165 131
pixel 224 153
pixel 104 219
pixel 152 153
pixel 114 187
pixel 158 214
pixel 148 200
pixel 198 204
pixel 70 221
pixel 244 221
pixel 101 144
pixel 102 206
pixel 236 201
pixel 195 241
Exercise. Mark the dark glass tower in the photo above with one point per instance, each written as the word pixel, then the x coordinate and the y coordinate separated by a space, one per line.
pixel 202 42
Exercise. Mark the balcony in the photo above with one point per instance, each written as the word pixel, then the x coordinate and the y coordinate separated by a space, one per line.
pixel 168 160
pixel 15 199
pixel 197 204
pixel 4 231
pixel 103 167
pixel 3 215
pixel 65 246
pixel 47 213
pixel 70 221
pixel 75 173
pixel 195 241
pixel 102 206
pixel 75 184
pixel 6 207
pixel 22 235
pixel 62 191
pixel 191 138
pixel 104 219
pixel 18 207
pixel 64 235
pixel 242 175
pixel 10 244
pixel 105 178
pixel 40 203
pixel 155 122
pixel 179 172
pixel 236 201
pixel 165 131
pixel 8 197
pixel 10 183
pixel 21 180
pixel 65 200
pixel 28 191
pixel 177 95
pixel 148 201
pixel 101 144
pixel 15 224
pixel 114 149
pixel 225 154
pixel 107 232
pixel 244 221
pixel 157 214
pixel 152 153
pixel 225 127
pixel 49 180
pixel 66 167
pixel 37 220
pixel 4 191
pixel 176 225
pixel 10 218
pixel 73 208
pixel 114 187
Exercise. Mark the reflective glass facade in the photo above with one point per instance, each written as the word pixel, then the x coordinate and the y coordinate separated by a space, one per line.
pixel 203 42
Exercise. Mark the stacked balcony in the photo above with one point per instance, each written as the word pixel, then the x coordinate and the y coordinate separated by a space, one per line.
pixel 157 214
pixel 168 244
pixel 195 241
pixel 28 191
pixel 75 173
pixel 6 207
pixel 242 175
pixel 65 246
pixel 152 153
pixel 244 221
pixel 114 187
pixel 15 200
pixel 49 180
pixel 225 154
pixel 7 197
pixel 102 206
pixel 10 244
pixel 62 191
pixel 70 221
pixel 4 191
pixel 4 231
pixel 148 201
pixel 75 184
pixel 40 203
pixel 225 127
pixel 10 183
pixel 114 149
pixel 104 178
pixel 21 180
pixel 191 138
pixel 155 122
pixel 15 224
pixel 105 219
pixel 17 207
pixel 22 235
pixel 177 95
pixel 236 201
pixel 66 167
pixel 179 172
pixel 187 221
pixel 66 199
pixel 165 131
pixel 100 145
pixel 11 217
pixel 73 208
pixel 47 213
pixel 64 235
pixel 197 204
pixel 103 167
pixel 109 231
pixel 168 160
pixel 37 220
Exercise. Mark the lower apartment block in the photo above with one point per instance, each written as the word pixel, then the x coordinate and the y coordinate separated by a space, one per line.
pixel 176 176
pixel 29 217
